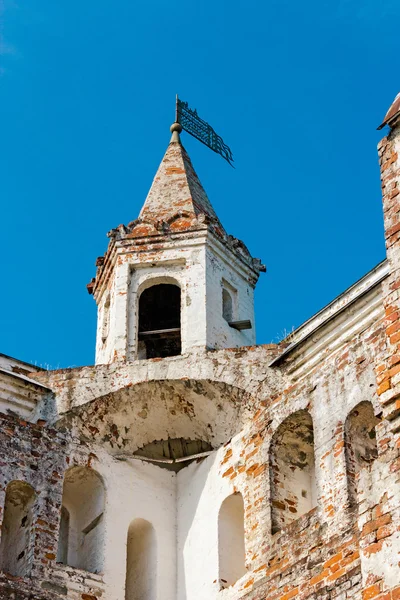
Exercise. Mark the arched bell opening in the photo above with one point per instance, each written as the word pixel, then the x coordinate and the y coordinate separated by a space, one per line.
pixel 160 321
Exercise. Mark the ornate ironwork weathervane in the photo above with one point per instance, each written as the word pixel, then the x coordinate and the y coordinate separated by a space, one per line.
pixel 190 121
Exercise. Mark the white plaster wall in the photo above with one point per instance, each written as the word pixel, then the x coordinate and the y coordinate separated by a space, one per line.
pixel 200 493
pixel 136 490
pixel 105 349
pixel 183 263
pixel 199 265
pixel 141 564
pixel 221 265
pixel 184 267
pixel 83 497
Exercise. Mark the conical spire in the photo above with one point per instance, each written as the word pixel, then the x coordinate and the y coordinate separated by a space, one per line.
pixel 176 190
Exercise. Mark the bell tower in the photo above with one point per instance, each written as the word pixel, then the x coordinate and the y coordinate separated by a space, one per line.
pixel 173 281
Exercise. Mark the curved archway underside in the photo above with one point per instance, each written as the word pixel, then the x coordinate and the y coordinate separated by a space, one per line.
pixel 142 418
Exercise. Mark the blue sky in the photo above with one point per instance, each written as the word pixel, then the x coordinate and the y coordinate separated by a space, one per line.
pixel 296 89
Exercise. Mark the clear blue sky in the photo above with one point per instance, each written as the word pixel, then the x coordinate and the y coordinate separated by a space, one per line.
pixel 296 89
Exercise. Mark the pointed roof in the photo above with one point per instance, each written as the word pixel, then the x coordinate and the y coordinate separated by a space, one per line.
pixel 176 191
pixel 392 113
pixel 175 203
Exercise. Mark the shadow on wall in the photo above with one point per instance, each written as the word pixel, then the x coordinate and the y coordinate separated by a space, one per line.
pixel 211 532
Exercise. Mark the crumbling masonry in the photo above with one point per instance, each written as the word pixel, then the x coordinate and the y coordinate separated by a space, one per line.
pixel 190 463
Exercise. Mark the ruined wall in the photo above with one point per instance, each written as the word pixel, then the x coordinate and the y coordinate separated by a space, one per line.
pixel 240 408
pixel 36 457
pixel 134 404
pixel 318 551
pixel 306 435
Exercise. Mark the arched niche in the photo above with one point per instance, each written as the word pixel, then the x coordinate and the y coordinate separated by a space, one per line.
pixel 141 561
pixel 16 548
pixel 81 534
pixel 231 541
pixel 292 470
pixel 159 321
pixel 227 305
pixel 360 444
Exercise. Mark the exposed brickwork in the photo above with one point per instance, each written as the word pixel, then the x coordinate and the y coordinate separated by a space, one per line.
pixel 39 455
pixel 307 433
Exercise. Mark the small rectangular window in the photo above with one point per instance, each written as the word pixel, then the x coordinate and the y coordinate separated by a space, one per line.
pixel 106 320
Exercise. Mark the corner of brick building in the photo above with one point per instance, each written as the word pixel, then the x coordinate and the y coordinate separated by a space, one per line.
pixel 389 368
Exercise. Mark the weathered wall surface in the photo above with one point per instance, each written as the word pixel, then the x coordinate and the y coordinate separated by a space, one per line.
pixel 139 266
pixel 34 454
pixel 19 394
pixel 222 270
pixel 121 407
pixel 199 264
pixel 305 437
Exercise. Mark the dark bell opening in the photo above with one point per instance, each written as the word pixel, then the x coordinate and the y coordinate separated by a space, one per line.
pixel 160 321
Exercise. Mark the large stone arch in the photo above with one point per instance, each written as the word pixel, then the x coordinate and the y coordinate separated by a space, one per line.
pixel 134 416
pixel 243 368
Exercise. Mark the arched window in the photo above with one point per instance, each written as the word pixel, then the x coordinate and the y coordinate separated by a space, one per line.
pixel 80 542
pixel 160 321
pixel 227 305
pixel 292 470
pixel 16 549
pixel 141 562
pixel 360 444
pixel 232 559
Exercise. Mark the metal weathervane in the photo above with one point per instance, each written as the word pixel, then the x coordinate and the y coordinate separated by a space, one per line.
pixel 201 130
